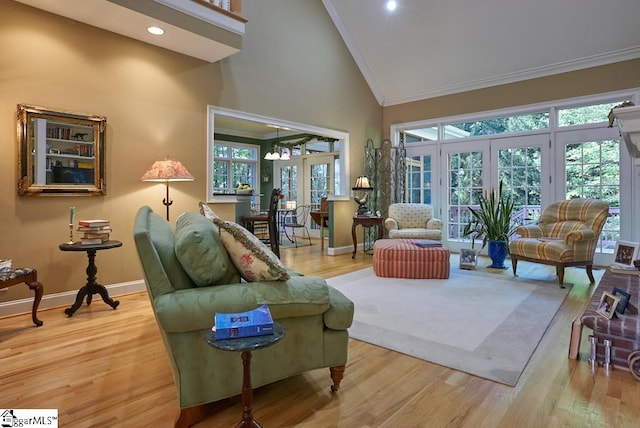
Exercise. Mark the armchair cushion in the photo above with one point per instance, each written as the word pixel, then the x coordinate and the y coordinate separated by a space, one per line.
pixel 253 259
pixel 200 251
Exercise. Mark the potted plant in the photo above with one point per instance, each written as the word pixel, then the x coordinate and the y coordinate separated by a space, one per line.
pixel 492 222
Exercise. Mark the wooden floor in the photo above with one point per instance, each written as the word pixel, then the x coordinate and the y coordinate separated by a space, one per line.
pixel 106 368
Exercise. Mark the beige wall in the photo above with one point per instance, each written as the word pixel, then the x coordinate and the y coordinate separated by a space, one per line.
pixel 608 78
pixel 293 66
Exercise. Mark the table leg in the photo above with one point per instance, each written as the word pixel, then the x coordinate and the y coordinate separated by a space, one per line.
pixel 321 233
pixel 92 287
pixel 37 289
pixel 247 394
pixel 355 239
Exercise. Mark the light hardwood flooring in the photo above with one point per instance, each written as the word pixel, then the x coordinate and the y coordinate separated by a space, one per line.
pixel 106 368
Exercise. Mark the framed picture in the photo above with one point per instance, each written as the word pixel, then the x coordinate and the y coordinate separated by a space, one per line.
pixel 624 299
pixel 607 305
pixel 625 253
pixel 468 258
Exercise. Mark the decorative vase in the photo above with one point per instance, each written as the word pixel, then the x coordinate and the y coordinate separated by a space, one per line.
pixel 498 251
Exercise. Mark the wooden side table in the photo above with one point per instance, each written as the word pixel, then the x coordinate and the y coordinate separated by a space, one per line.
pixel 29 276
pixel 92 287
pixel 246 345
pixel 366 222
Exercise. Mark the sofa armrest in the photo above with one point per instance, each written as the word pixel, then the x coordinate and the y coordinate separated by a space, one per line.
pixel 434 223
pixel 530 231
pixel 340 313
pixel 391 224
pixel 194 309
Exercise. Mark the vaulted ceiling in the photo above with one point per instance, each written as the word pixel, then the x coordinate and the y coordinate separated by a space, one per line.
pixel 429 48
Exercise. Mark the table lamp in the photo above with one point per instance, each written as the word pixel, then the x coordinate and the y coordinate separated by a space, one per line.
pixel 166 171
pixel 362 183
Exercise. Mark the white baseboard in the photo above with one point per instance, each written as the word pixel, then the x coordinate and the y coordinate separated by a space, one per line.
pixel 66 298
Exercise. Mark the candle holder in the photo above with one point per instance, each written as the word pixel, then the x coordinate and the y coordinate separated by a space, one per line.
pixel 70 234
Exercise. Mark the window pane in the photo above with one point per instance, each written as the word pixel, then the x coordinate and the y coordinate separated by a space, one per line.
pixel 243 173
pixel 501 125
pixel 244 153
pixel 220 151
pixel 585 114
pixel 220 176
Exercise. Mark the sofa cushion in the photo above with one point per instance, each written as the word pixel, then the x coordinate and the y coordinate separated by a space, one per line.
pixel 254 260
pixel 200 251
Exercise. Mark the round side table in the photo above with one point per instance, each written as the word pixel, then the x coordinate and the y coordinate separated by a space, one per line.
pixel 246 345
pixel 92 287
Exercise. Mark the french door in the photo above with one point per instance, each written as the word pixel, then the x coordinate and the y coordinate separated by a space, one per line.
pixel 592 162
pixel 305 180
pixel 471 168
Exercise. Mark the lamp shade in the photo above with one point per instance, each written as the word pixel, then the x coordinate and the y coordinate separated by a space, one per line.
pixel 167 170
pixel 362 183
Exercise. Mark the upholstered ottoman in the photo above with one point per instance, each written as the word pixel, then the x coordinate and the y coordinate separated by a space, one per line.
pixel 403 258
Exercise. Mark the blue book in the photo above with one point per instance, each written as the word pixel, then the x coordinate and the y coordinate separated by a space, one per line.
pixel 257 322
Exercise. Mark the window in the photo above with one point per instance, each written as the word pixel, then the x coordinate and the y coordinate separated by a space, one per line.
pixel 498 125
pixel 234 164
pixel 584 115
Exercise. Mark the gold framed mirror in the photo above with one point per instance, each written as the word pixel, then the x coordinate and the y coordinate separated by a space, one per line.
pixel 60 152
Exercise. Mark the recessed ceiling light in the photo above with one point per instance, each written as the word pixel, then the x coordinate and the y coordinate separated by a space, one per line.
pixel 156 31
pixel 391 5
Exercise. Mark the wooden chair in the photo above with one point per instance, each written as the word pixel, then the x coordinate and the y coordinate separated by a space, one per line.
pixel 29 276
pixel 272 222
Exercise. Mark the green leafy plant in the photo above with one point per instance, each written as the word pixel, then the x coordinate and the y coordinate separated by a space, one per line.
pixel 492 220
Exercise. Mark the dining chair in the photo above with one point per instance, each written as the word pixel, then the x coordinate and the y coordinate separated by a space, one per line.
pixel 297 219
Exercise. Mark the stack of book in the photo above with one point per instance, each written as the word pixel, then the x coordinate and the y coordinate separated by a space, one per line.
pixel 94 231
pixel 257 322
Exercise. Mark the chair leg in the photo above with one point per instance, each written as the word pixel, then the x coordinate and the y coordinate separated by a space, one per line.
pixel 514 264
pixel 308 235
pixel 560 272
pixel 590 274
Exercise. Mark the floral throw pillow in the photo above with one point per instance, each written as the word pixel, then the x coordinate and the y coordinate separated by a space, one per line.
pixel 206 211
pixel 254 260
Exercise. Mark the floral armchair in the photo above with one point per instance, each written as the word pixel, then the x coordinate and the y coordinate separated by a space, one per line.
pixel 566 235
pixel 407 221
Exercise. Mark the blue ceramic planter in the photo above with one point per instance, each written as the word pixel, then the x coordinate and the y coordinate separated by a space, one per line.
pixel 498 251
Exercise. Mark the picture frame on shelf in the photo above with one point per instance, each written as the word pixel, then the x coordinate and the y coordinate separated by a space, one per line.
pixel 607 305
pixel 625 253
pixel 468 259
pixel 624 299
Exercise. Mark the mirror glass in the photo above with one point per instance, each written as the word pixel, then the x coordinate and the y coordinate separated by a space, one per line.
pixel 60 152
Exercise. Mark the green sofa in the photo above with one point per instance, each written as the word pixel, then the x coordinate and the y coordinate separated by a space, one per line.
pixel 315 317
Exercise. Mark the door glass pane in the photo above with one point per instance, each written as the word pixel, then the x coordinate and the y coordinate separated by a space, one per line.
pixel 593 171
pixel 289 182
pixel 319 184
pixel 520 170
pixel 465 185
pixel 418 179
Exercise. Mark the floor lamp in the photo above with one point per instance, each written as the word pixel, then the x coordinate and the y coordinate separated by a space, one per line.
pixel 166 171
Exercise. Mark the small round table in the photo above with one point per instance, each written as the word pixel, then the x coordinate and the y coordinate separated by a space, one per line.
pixel 92 287
pixel 246 345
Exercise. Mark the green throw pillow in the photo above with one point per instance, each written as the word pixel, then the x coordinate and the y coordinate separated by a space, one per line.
pixel 200 251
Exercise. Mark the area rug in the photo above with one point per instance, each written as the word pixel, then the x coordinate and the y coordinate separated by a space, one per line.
pixel 482 324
